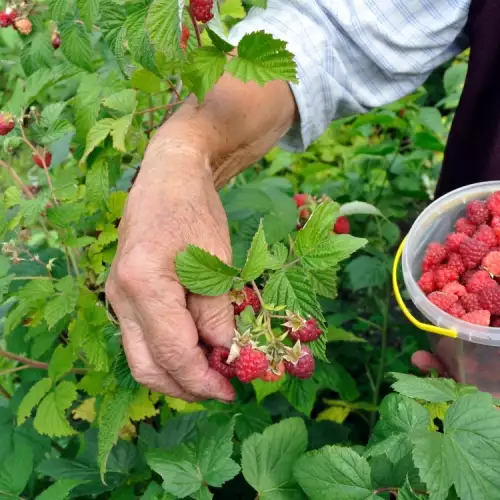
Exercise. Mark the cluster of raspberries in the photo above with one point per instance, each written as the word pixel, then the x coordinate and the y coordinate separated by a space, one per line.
pixel 462 275
pixel 247 360
pixel 10 17
pixel 306 203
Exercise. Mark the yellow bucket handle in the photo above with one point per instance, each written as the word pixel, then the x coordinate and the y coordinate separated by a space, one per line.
pixel 423 326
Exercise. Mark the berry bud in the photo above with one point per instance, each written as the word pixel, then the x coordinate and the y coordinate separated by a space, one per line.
pixel 7 123
pixel 39 159
pixel 24 26
pixel 56 40
pixel 185 34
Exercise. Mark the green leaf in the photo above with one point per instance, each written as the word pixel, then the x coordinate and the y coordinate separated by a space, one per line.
pixel 366 272
pixel 15 472
pixel 262 58
pixel 467 455
pixel 268 459
pixel 97 183
pixel 112 418
pixel 431 118
pixel 60 490
pixel 264 389
pixel 188 470
pixel 359 208
pixel 50 417
pixel 63 304
pixel 89 12
pixel 139 43
pixel 32 399
pixel 97 134
pixel 334 376
pixel 204 67
pixel 339 335
pixel 164 26
pixel 301 394
pixel 406 492
pixel 333 249
pixel 400 418
pixel 277 257
pixel 335 472
pixel 76 44
pixel 433 390
pixel 59 9
pixel 119 132
pixel 219 42
pixel 317 228
pixel 124 101
pixel 86 105
pixel 60 363
pixel 203 273
pixel 258 256
pixel 324 281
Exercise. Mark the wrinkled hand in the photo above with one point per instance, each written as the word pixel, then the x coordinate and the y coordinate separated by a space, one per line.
pixel 173 203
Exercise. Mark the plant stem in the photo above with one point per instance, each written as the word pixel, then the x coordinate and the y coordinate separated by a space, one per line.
pixel 17 179
pixel 158 108
pixel 6 394
pixel 22 278
pixel 14 370
pixel 257 292
pixel 174 90
pixel 36 364
pixel 395 491
pixel 195 26
pixel 374 325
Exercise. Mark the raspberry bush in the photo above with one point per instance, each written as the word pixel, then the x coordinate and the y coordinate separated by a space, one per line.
pixel 326 405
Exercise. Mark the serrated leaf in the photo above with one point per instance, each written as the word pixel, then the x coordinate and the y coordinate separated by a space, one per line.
pixel 204 67
pixel 5 285
pixel 86 106
pixel 50 417
pixel 317 228
pixel 62 305
pixel 262 58
pixel 138 41
pixel 113 414
pixel 367 272
pixel 97 134
pixel 15 471
pixel 76 44
pixel 359 208
pixel 264 389
pixel 324 282
pixel 141 406
pixel 89 12
pixel 60 363
pixel 12 196
pixel 433 390
pixel 268 459
pixel 301 394
pixel 219 42
pixel 277 257
pixel 258 256
pixel 188 470
pixel 59 8
pixel 335 472
pixel 120 130
pixel 203 273
pixel 60 489
pixel 164 26
pixel 97 183
pixel 31 209
pixel 467 455
pixel 124 101
pixel 32 399
pixel 335 334
pixel 334 376
pixel 406 492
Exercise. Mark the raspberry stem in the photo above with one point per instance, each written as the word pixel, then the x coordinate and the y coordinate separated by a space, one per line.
pixel 17 179
pixel 195 26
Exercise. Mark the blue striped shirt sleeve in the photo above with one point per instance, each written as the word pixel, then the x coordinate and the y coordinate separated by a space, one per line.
pixel 354 55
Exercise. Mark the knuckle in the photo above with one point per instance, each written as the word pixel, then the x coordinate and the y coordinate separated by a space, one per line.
pixel 129 271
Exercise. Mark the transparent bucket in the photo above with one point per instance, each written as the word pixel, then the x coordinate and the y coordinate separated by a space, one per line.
pixel 473 357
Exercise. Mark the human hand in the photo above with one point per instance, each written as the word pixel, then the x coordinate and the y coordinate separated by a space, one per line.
pixel 173 203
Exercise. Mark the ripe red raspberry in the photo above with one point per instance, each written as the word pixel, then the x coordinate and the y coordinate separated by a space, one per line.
pixel 480 281
pixel 477 212
pixel 13 14
pixel 309 332
pixel 455 288
pixel 495 225
pixel 465 226
pixel 454 240
pixel 470 302
pixel 5 20
pixel 305 213
pixel 202 10
pixel 472 252
pixel 56 40
pixel 342 226
pixel 495 322
pixel 7 123
pixel 270 376
pixel 444 275
pixel 467 275
pixel 442 300
pixel 489 298
pixel 434 255
pixel 493 203
pixel 304 368
pixel 457 310
pixel 37 158
pixel 427 283
pixel 245 298
pixel 217 361
pixel 480 317
pixel 24 26
pixel 251 364
pixel 301 199
pixel 487 235
pixel 185 34
pixel 492 263
pixel 455 262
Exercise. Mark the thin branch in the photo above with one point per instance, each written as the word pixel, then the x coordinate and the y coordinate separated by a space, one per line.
pixel 195 26
pixel 14 370
pixel 17 179
pixel 22 278
pixel 36 364
pixel 158 108
pixel 257 292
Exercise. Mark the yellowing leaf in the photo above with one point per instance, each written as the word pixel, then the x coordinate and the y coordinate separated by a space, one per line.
pixel 128 431
pixel 335 414
pixel 141 407
pixel 182 406
pixel 85 411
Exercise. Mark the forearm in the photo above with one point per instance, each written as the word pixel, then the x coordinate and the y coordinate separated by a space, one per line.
pixel 235 126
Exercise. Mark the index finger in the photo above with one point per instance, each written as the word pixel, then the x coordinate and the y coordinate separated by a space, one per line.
pixel 173 339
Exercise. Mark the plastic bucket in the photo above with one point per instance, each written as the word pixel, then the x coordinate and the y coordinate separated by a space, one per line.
pixel 470 353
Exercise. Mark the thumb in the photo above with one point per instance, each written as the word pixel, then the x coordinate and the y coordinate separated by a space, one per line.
pixel 214 318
